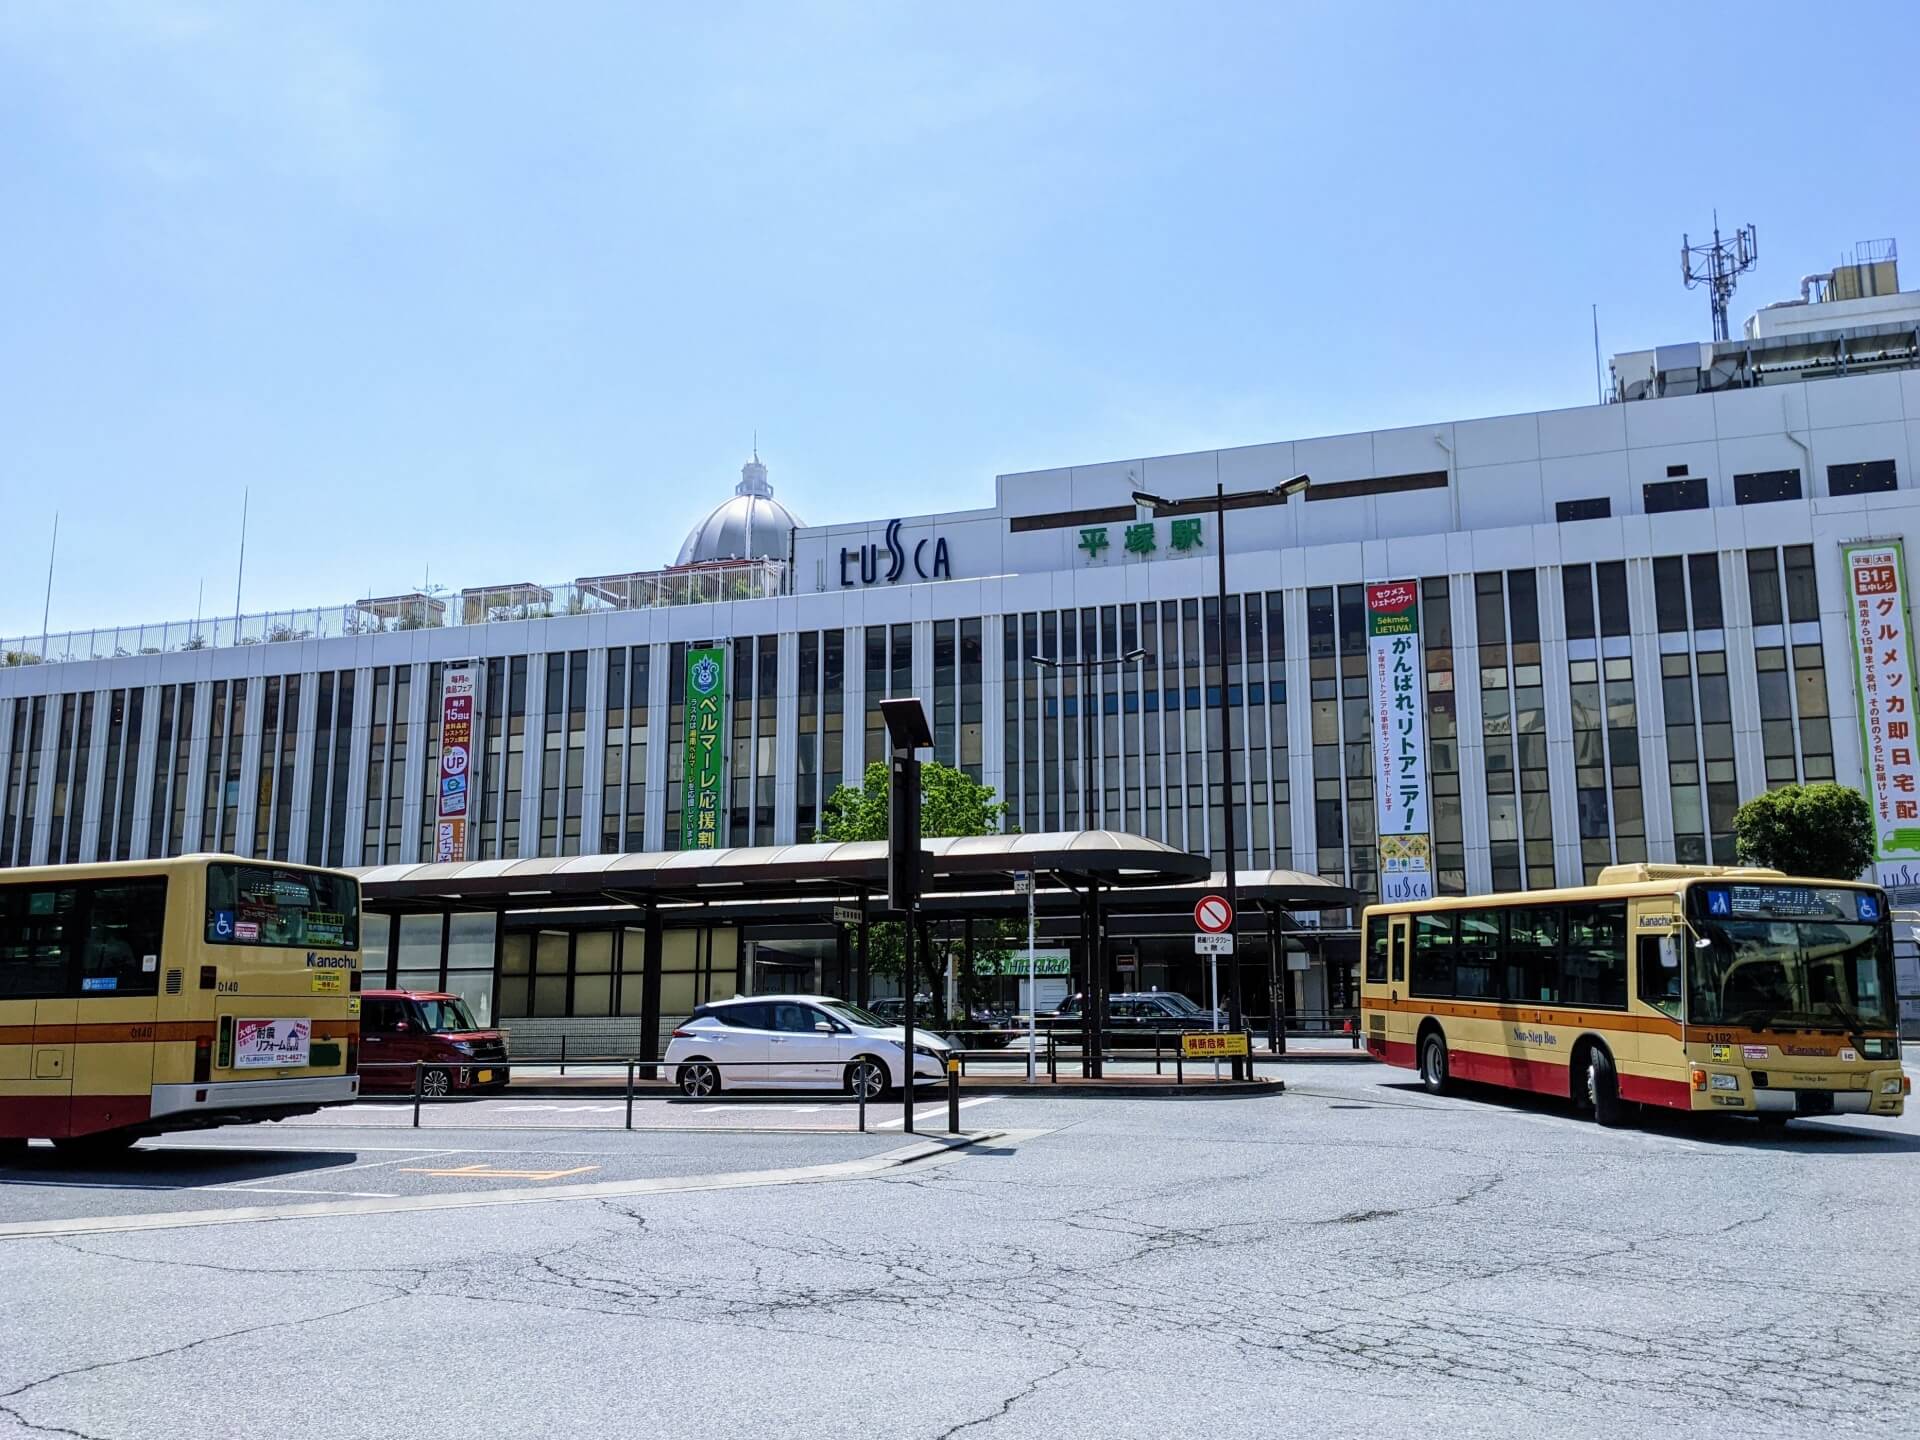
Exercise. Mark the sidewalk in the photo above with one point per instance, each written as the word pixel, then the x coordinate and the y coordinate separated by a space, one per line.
pixel 1002 1072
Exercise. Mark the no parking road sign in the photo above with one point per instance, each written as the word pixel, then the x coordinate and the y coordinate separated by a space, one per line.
pixel 1213 914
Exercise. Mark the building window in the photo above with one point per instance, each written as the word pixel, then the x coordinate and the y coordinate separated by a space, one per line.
pixel 1443 737
pixel 122 774
pixel 806 742
pixel 279 742
pixel 386 765
pixel 1323 690
pixel 1606 737
pixel 1660 496
pixel 226 738
pixel 833 706
pixel 623 781
pixel 1764 486
pixel 71 745
pixel 1598 507
pixel 676 741
pixel 972 701
pixel 1513 728
pixel 1795 732
pixel 1356 734
pixel 502 776
pixel 28 790
pixel 876 691
pixel 946 700
pixel 1698 711
pixel 1864 477
pixel 327 787
pixel 1279 777
pixel 427 842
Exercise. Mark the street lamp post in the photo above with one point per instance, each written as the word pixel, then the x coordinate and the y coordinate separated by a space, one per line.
pixel 1093 1012
pixel 1285 491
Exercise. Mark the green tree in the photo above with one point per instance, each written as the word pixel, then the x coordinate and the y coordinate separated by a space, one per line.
pixel 1822 831
pixel 952 802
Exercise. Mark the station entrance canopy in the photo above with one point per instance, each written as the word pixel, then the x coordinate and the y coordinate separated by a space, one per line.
pixel 794 882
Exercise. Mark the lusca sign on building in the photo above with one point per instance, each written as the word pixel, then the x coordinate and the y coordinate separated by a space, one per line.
pixel 1399 740
pixel 705 770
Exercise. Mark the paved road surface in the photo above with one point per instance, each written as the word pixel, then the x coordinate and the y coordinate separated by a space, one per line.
pixel 1352 1257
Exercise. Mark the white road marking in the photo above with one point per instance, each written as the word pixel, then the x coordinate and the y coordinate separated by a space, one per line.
pixel 338 1194
pixel 921 1117
pixel 777 1109
pixel 262 1183
pixel 929 1151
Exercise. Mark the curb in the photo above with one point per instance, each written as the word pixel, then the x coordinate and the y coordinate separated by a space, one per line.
pixel 928 1095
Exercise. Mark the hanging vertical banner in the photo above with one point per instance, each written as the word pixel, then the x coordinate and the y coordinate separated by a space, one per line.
pixel 1399 740
pixel 456 761
pixel 705 771
pixel 1883 680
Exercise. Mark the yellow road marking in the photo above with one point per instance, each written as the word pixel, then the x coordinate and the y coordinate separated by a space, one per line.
pixel 487 1172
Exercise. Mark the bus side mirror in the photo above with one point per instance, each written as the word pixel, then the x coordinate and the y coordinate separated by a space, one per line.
pixel 1669 952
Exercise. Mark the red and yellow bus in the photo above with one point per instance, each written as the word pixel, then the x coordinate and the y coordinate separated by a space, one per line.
pixel 146 996
pixel 1739 991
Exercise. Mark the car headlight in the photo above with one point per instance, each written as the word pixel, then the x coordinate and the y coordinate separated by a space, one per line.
pixel 929 1052
pixel 1893 1086
pixel 465 1047
pixel 1723 1082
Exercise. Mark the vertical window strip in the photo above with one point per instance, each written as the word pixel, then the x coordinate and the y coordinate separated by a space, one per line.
pixel 1443 737
pixel 1323 678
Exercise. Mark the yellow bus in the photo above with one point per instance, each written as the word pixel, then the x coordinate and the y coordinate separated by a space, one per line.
pixel 1739 991
pixel 146 996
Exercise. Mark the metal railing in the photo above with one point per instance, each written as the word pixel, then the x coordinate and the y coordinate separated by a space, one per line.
pixel 418 1096
pixel 482 605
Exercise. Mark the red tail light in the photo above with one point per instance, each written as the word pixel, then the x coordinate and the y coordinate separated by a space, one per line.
pixel 683 1034
pixel 202 1060
pixel 353 1056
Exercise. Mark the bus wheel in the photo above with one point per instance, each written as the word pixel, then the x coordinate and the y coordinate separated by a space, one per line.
pixel 92 1147
pixel 1772 1122
pixel 1603 1088
pixel 1433 1063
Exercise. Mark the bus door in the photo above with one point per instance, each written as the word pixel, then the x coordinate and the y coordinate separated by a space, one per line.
pixel 1399 945
pixel 52 1074
pixel 118 1003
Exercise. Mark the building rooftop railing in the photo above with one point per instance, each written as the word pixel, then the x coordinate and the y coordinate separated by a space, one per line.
pixel 702 584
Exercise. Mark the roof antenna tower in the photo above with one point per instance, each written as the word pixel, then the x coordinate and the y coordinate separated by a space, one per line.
pixel 1718 267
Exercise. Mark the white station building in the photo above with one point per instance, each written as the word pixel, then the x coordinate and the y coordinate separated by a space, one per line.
pixel 1631 617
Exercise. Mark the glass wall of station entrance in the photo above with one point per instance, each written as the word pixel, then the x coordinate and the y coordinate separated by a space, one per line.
pixel 540 973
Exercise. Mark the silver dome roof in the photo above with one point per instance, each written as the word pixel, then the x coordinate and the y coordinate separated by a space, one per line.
pixel 751 525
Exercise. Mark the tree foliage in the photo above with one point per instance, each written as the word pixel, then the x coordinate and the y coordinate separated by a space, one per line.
pixel 1822 831
pixel 952 802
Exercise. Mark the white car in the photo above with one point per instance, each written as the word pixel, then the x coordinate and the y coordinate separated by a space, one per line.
pixel 797 1042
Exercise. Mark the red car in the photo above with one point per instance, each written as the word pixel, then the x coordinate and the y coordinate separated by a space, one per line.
pixel 399 1029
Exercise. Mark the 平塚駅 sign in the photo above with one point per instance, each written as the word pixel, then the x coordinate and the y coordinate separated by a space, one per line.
pixel 705 771
pixel 1883 680
pixel 1399 740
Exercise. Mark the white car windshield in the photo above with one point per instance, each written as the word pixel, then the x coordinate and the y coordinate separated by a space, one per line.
pixel 846 1010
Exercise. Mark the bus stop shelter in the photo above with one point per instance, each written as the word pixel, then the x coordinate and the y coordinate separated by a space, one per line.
pixel 1091 885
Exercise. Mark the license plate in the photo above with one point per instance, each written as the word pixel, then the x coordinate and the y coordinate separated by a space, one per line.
pixel 481 1077
pixel 1813 1102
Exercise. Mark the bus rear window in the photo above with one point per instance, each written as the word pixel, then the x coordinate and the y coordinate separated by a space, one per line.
pixel 266 905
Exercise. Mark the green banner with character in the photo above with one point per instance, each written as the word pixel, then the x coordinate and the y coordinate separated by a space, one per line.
pixel 705 770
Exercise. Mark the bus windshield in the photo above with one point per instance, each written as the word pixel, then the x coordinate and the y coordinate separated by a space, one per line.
pixel 1783 957
pixel 268 905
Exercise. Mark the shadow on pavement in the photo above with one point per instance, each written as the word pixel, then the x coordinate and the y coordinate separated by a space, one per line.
pixel 1811 1135
pixel 176 1167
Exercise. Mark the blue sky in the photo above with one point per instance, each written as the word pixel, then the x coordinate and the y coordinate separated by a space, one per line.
pixel 504 291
